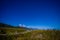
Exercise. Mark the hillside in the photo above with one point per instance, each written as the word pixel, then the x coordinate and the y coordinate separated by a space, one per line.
pixel 8 32
pixel 5 25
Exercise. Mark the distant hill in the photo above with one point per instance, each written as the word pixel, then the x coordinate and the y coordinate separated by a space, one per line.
pixel 3 25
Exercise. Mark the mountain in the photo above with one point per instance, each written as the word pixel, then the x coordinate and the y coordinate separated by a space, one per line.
pixel 3 25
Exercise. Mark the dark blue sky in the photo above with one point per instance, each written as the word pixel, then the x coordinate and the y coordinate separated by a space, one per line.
pixel 34 13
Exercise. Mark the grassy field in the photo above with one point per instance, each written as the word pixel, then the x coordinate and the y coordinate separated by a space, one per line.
pixel 32 35
pixel 41 35
pixel 8 32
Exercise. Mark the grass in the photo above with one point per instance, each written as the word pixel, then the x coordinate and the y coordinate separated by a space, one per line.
pixel 33 35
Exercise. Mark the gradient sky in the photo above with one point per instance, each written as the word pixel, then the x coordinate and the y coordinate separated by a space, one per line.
pixel 33 13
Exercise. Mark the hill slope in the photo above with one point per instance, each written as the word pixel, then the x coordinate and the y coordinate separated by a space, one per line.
pixel 5 25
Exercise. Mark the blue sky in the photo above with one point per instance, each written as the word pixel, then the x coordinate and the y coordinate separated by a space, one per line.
pixel 33 13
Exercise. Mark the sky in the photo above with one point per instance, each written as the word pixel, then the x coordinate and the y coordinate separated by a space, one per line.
pixel 42 14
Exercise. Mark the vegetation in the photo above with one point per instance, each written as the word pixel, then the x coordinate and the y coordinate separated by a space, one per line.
pixel 14 33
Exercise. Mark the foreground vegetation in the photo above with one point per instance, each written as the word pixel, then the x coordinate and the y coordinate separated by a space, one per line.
pixel 9 33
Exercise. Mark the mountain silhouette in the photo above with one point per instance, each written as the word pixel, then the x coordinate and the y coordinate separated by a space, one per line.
pixel 3 25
